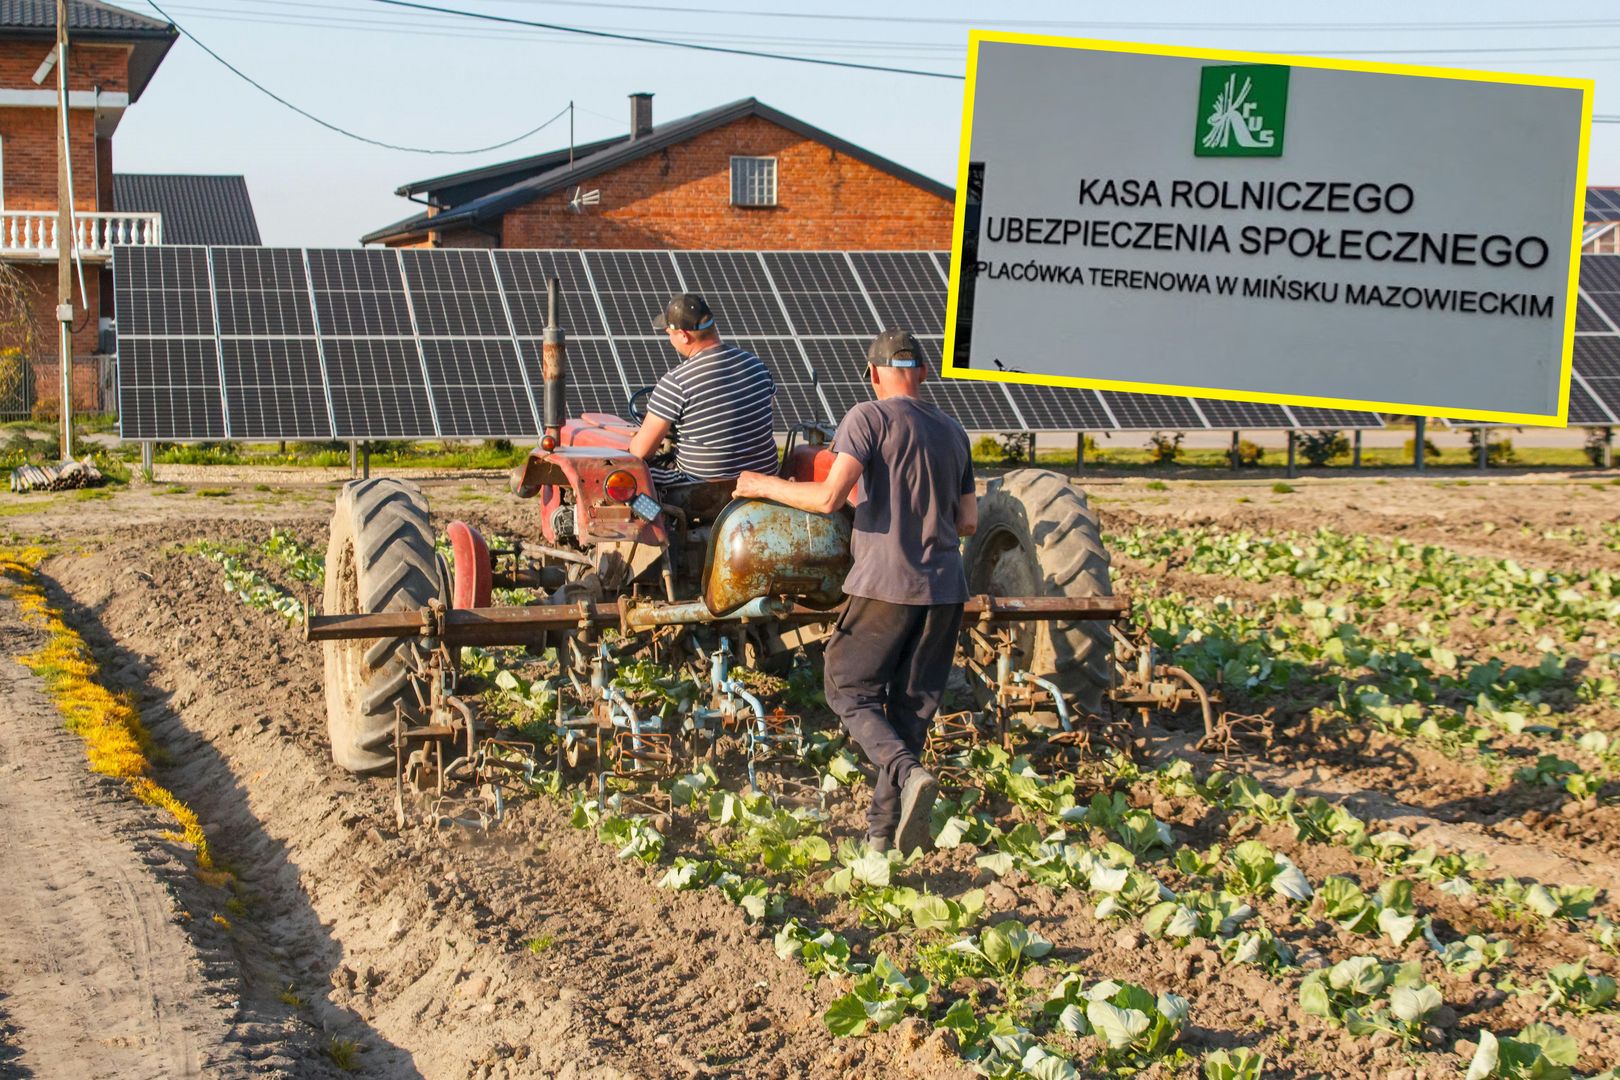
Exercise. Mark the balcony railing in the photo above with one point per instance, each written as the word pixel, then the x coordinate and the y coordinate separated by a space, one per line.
pixel 31 234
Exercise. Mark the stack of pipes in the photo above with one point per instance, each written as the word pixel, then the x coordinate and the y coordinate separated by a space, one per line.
pixel 69 474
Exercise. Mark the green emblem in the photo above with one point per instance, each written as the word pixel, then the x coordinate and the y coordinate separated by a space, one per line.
pixel 1241 110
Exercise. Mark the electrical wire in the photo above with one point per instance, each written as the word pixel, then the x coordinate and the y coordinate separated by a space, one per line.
pixel 1380 27
pixel 265 90
pixel 644 40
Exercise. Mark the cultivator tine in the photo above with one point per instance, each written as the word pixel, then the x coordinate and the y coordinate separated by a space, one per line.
pixel 779 749
pixel 1239 732
pixel 951 735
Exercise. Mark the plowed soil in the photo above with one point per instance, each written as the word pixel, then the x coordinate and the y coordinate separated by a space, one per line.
pixel 531 950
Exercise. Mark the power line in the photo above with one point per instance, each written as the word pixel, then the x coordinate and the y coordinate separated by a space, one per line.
pixel 1379 27
pixel 265 90
pixel 642 40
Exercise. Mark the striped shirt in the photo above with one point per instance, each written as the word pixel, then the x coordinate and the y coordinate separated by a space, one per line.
pixel 719 403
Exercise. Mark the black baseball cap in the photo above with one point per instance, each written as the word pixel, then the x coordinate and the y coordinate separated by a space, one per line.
pixel 895 348
pixel 685 312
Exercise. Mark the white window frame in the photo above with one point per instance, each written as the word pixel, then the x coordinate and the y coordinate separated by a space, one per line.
pixel 755 183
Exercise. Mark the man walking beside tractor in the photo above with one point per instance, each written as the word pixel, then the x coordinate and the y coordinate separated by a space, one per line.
pixel 890 653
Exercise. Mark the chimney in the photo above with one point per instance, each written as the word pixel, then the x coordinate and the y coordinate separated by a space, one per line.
pixel 640 115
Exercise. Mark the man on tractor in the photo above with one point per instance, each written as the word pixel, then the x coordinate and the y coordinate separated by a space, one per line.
pixel 717 403
pixel 891 651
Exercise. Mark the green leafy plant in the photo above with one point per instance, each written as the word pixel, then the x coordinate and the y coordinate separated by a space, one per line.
pixel 822 952
pixel 1238 1064
pixel 876 1001
pixel 1572 988
pixel 1252 869
pixel 633 838
pixel 1538 1052
pixel 1000 951
pixel 1366 995
pixel 1133 1025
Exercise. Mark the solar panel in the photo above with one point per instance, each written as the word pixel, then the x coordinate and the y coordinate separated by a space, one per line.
pixel 977 406
pixel 1243 414
pixel 1316 419
pixel 594 383
pixel 820 293
pixel 274 388
pixel 838 366
pixel 358 293
pixel 1598 356
pixel 905 287
pixel 478 388
pixel 453 293
pixel 1600 274
pixel 1150 412
pixel 737 290
pixel 644 361
pixel 944 259
pixel 262 292
pixel 1585 409
pixel 1607 306
pixel 1058 408
pixel 168 388
pixel 378 390
pixel 523 277
pixel 796 399
pixel 1587 319
pixel 633 286
pixel 163 291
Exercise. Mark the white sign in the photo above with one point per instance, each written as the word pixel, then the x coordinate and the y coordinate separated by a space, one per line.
pixel 1292 230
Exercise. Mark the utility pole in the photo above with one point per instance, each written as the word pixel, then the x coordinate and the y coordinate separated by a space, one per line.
pixel 64 233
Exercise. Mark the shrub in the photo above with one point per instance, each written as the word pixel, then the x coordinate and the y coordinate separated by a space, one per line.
pixel 1321 447
pixel 1165 449
pixel 1497 451
pixel 1016 446
pixel 1249 454
pixel 1429 449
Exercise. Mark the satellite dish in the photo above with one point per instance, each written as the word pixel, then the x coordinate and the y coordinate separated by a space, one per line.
pixel 583 199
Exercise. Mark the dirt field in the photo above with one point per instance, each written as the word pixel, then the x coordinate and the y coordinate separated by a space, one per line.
pixel 347 946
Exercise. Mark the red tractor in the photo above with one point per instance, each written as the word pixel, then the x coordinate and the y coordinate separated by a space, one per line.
pixel 702 582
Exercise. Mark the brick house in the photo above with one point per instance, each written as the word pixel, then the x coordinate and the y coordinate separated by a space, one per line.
pixel 112 55
pixel 743 175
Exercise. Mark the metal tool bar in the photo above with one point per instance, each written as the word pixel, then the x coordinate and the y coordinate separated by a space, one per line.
pixel 519 625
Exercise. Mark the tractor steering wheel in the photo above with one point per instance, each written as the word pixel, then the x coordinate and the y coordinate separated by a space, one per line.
pixel 638 406
pixel 664 456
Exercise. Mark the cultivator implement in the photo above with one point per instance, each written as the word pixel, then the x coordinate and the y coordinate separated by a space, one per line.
pixel 632 738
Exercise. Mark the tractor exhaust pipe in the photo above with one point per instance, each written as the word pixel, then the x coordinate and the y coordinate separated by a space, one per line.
pixel 552 350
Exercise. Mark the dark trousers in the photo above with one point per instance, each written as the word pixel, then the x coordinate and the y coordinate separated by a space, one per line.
pixel 885 672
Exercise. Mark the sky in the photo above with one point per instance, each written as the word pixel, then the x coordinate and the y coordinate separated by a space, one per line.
pixel 440 82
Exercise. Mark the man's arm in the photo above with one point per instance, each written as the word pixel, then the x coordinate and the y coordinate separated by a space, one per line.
pixel 822 497
pixel 647 440
pixel 967 515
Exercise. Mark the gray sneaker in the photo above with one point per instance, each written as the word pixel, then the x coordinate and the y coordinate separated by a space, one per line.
pixel 916 806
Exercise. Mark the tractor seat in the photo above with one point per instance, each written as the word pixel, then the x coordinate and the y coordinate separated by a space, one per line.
pixel 700 501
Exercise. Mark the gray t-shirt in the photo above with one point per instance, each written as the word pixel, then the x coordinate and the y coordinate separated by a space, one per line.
pixel 915 467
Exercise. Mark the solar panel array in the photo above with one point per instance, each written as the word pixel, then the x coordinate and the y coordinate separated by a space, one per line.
pixel 287 343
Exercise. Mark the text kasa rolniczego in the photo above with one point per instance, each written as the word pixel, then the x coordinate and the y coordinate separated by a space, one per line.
pixel 1383 248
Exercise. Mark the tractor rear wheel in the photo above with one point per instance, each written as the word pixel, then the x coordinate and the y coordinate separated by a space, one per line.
pixel 380 558
pixel 1038 537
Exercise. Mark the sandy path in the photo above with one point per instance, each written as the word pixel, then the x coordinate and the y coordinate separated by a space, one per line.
pixel 96 976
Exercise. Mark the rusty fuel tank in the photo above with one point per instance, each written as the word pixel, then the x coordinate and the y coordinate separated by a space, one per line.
pixel 759 548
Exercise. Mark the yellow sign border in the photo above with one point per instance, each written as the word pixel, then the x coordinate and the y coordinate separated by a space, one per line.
pixel 1584 86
